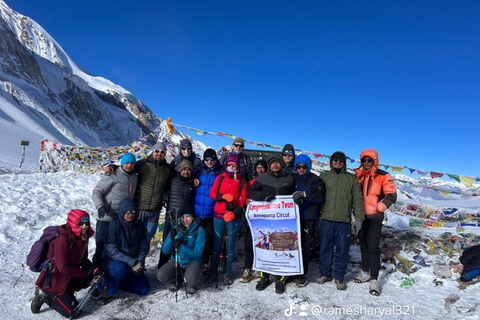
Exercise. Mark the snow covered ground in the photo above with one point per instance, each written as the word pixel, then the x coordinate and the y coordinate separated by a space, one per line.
pixel 32 201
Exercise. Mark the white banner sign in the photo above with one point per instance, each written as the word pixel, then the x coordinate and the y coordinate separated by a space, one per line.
pixel 275 228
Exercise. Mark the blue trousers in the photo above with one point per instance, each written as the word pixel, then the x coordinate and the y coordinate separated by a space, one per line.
pixel 334 235
pixel 150 221
pixel 219 232
pixel 121 276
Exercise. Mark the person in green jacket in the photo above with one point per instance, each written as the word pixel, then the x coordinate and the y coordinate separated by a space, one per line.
pixel 343 195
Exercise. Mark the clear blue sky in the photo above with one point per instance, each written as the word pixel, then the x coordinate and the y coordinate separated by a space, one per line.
pixel 402 77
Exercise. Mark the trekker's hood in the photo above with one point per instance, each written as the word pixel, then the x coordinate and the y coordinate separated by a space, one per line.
pixel 303 158
pixel 344 168
pixel 74 217
pixel 372 153
pixel 125 205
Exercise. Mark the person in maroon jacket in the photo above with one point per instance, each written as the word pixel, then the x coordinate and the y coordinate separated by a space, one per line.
pixel 69 269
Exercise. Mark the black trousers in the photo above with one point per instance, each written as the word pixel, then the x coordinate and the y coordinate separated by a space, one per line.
pixel 66 303
pixel 248 247
pixel 369 238
pixel 207 224
pixel 308 229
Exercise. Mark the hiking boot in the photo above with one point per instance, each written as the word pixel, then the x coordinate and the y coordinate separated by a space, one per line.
pixel 227 281
pixel 341 285
pixel 191 290
pixel 247 276
pixel 206 269
pixel 104 299
pixel 362 277
pixel 279 286
pixel 256 276
pixel 322 279
pixel 263 284
pixel 374 288
pixel 301 281
pixel 38 300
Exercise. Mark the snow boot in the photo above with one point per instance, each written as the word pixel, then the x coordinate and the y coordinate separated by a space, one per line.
pixel 279 286
pixel 38 300
pixel 341 285
pixel 263 284
pixel 301 281
pixel 322 279
pixel 362 277
pixel 227 281
pixel 247 276
pixel 374 288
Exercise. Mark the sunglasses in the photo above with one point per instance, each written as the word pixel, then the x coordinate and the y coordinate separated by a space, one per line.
pixel 160 151
pixel 369 160
pixel 231 165
pixel 300 166
pixel 84 223
pixel 288 154
pixel 187 148
pixel 129 212
pixel 238 145
pixel 209 160
pixel 338 160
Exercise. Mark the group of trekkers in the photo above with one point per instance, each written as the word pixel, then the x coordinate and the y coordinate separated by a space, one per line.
pixel 205 203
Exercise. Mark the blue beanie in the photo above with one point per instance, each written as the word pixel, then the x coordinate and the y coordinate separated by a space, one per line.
pixel 128 158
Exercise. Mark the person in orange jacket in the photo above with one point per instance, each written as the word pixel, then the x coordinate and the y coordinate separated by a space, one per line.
pixel 379 193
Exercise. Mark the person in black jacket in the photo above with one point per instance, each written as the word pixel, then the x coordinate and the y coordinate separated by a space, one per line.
pixel 309 195
pixel 265 188
pixel 288 157
pixel 181 196
pixel 247 171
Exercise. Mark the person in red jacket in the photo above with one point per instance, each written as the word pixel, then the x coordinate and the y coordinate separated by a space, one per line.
pixel 230 193
pixel 379 193
pixel 69 269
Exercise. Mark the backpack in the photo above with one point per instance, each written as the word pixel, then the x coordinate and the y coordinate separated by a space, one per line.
pixel 36 259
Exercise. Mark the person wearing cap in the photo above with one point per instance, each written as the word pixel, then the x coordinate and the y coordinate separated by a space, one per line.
pixel 126 249
pixel 70 268
pixel 186 153
pixel 187 240
pixel 265 188
pixel 246 168
pixel 288 157
pixel 181 194
pixel 342 195
pixel 204 205
pixel 107 194
pixel 379 193
pixel 154 177
pixel 230 193
pixel 260 168
pixel 309 195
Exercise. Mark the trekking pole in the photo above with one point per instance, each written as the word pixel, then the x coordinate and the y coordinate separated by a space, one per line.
pixel 175 223
pixel 222 261
pixel 93 286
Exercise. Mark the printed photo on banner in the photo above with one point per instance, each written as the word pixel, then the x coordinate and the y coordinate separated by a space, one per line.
pixel 276 234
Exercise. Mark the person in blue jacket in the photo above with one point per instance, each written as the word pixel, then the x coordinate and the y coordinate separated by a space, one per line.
pixel 204 205
pixel 309 195
pixel 186 241
pixel 126 248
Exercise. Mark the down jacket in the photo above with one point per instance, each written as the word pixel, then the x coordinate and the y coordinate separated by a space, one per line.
pixel 379 191
pixel 237 188
pixel 203 203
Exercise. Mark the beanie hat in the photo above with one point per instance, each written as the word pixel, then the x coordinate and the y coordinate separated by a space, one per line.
pixel 185 143
pixel 128 158
pixel 288 147
pixel 261 162
pixel 159 146
pixel 303 158
pixel 340 155
pixel 209 153
pixel 233 158
pixel 273 159
pixel 239 140
pixel 185 164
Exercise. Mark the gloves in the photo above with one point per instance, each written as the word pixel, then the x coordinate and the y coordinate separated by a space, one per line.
pixel 298 195
pixel 173 233
pixel 227 197
pixel 269 198
pixel 178 242
pixel 228 216
pixel 239 212
pixel 298 202
pixel 101 212
pixel 137 267
pixel 356 226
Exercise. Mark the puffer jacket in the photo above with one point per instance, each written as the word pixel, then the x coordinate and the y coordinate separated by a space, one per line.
pixel 268 184
pixel 191 249
pixel 237 188
pixel 153 181
pixel 313 187
pixel 111 189
pixel 68 255
pixel 203 203
pixel 379 191
pixel 342 195
pixel 181 193
pixel 126 241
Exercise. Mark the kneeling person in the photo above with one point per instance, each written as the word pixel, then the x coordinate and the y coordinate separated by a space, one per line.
pixel 187 238
pixel 126 247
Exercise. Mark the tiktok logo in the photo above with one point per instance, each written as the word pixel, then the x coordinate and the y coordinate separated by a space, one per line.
pixel 289 311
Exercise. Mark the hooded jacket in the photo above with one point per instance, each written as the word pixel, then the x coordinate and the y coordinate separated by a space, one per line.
pixel 246 168
pixel 289 168
pixel 203 203
pixel 191 249
pixel 237 188
pixel 342 195
pixel 314 189
pixel 197 163
pixel 181 193
pixel 379 191
pixel 153 181
pixel 268 184
pixel 68 254
pixel 126 241
pixel 111 189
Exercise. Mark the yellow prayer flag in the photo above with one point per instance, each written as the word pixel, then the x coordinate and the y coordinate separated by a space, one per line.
pixel 396 169
pixel 444 193
pixel 468 181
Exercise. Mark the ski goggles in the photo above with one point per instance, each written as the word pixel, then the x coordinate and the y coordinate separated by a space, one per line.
pixel 129 212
